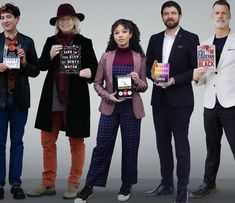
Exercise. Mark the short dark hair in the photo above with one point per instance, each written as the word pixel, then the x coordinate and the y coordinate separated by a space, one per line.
pixel 170 4
pixel 10 8
pixel 222 2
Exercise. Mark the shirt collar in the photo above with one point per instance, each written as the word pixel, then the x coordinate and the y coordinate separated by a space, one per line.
pixel 173 36
pixel 11 36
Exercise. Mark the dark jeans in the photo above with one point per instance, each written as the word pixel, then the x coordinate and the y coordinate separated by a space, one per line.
pixel 17 120
pixel 215 121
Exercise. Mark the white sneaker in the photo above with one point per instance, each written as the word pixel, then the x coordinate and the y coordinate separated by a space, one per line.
pixel 125 193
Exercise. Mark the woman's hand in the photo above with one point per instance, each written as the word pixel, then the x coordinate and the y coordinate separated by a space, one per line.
pixel 55 49
pixel 86 73
pixel 112 98
pixel 135 77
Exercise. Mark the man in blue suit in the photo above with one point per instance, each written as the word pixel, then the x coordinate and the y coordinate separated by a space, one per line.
pixel 172 103
pixel 219 96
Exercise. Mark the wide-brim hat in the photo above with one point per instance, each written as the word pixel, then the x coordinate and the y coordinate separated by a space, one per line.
pixel 66 10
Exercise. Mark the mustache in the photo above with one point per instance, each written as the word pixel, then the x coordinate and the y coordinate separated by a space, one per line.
pixel 170 19
pixel 218 21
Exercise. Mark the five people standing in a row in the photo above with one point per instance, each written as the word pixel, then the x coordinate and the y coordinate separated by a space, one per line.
pixel 64 106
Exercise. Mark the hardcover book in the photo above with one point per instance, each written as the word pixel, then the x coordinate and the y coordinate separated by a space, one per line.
pixel 206 57
pixel 70 59
pixel 124 86
pixel 160 73
pixel 10 55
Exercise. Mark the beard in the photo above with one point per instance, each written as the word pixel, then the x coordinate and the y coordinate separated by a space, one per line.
pixel 171 24
pixel 221 23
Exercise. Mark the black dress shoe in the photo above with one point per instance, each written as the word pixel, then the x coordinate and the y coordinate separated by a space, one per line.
pixel 182 196
pixel 203 190
pixel 18 192
pixel 161 190
pixel 1 193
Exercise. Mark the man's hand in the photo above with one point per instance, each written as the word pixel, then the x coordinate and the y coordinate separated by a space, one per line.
pixel 22 56
pixel 3 67
pixel 170 82
pixel 198 73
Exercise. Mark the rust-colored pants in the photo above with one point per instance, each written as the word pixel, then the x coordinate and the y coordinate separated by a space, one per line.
pixel 77 148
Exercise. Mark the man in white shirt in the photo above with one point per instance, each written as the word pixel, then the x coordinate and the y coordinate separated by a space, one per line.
pixel 172 103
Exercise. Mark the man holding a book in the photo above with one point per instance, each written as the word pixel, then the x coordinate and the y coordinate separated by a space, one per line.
pixel 18 61
pixel 172 101
pixel 219 96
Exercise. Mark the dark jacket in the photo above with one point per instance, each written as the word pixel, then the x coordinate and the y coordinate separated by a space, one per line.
pixel 21 89
pixel 182 59
pixel 78 108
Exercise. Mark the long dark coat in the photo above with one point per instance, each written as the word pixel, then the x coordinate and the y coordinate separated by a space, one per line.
pixel 78 108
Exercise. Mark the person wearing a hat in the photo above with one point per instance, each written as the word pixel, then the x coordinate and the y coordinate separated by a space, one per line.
pixel 65 102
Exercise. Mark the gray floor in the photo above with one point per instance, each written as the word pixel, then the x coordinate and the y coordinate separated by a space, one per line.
pixel 225 193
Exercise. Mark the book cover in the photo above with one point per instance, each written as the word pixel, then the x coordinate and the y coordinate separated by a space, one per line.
pixel 10 55
pixel 70 59
pixel 206 57
pixel 124 87
pixel 160 73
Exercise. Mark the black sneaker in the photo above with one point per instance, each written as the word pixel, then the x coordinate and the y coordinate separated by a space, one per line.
pixel 85 194
pixel 1 192
pixel 124 193
pixel 182 196
pixel 18 192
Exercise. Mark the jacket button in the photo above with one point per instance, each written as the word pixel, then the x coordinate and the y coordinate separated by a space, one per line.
pixel 216 72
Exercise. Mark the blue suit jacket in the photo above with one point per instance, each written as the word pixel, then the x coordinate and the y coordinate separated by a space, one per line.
pixel 182 59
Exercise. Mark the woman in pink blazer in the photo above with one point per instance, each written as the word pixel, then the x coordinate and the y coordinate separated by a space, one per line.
pixel 124 57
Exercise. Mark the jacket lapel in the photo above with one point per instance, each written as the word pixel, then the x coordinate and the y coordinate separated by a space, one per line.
pixel 176 43
pixel 136 61
pixel 1 46
pixel 227 44
pixel 109 62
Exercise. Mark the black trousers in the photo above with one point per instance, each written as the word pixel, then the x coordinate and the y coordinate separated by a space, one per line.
pixel 215 121
pixel 173 121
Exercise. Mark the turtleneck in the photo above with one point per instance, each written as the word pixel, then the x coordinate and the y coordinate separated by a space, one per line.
pixel 123 57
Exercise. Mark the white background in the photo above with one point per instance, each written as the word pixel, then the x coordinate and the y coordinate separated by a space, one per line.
pixel 100 15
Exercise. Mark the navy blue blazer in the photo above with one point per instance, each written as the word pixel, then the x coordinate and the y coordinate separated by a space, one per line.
pixel 182 59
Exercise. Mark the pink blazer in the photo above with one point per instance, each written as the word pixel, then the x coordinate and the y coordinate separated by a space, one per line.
pixel 103 83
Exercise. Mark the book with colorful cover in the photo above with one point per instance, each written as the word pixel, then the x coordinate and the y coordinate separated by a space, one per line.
pixel 10 55
pixel 70 59
pixel 160 73
pixel 206 57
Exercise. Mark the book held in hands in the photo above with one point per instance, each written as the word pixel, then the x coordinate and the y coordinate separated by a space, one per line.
pixel 10 55
pixel 206 57
pixel 160 73
pixel 70 59
pixel 124 86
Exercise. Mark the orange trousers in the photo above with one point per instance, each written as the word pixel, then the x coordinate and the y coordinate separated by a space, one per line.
pixel 77 149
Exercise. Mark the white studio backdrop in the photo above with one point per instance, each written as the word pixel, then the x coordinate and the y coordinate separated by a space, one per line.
pixel 100 15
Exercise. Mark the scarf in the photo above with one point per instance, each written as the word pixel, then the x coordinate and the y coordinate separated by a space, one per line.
pixel 61 79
